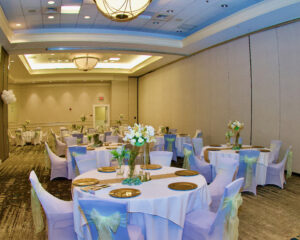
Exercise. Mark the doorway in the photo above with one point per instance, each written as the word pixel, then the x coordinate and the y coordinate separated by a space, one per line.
pixel 101 116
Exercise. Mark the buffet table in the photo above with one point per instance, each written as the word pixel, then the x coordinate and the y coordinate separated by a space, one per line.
pixel 158 210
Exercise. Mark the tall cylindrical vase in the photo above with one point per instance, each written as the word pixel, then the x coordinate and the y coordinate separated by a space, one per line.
pixel 131 162
pixel 236 145
pixel 146 153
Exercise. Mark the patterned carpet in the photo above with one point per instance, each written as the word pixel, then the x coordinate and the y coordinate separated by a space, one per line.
pixel 272 214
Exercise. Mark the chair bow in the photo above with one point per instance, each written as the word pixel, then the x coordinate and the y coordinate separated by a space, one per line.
pixel 289 165
pixel 232 221
pixel 36 210
pixel 249 170
pixel 170 144
pixel 105 225
pixel 186 162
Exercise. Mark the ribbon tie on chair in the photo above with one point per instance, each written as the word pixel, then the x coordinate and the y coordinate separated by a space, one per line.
pixel 186 162
pixel 289 165
pixel 249 170
pixel 232 221
pixel 170 144
pixel 105 225
pixel 36 210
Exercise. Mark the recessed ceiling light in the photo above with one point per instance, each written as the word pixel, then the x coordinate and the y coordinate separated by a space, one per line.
pixel 18 24
pixel 224 5
pixel 12 61
pixel 114 59
pixel 51 2
pixel 155 22
pixel 179 31
pixel 87 17
pixel 70 9
pixel 52 54
pixel 50 17
pixel 170 11
pixel 105 61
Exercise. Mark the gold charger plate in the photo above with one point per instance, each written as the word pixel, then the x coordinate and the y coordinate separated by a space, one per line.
pixel 237 151
pixel 264 150
pixel 182 134
pixel 124 193
pixel 90 148
pixel 183 186
pixel 107 169
pixel 215 145
pixel 85 182
pixel 151 167
pixel 257 147
pixel 186 173
pixel 111 148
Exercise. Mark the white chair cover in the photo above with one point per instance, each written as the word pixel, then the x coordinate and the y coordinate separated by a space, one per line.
pixel 198 133
pixel 12 139
pixel 197 145
pixel 113 139
pixel 162 158
pixel 61 147
pixel 59 166
pixel 45 137
pixel 59 213
pixel 275 149
pixel 86 162
pixel 172 131
pixel 70 140
pixel 20 141
pixel 227 167
pixel 223 225
pixel 37 137
pixel 275 171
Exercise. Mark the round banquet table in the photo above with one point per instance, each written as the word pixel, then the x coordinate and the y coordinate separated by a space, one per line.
pixel 180 140
pixel 264 159
pixel 158 210
pixel 103 159
pixel 28 135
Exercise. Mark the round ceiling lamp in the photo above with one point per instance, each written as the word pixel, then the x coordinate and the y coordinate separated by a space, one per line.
pixel 85 63
pixel 122 10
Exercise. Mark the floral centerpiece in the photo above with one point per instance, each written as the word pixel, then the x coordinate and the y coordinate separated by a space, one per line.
pixel 120 154
pixel 25 125
pixel 228 136
pixel 138 136
pixel 83 119
pixel 236 127
pixel 119 122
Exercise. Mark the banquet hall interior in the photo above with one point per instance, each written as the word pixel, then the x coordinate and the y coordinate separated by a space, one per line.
pixel 149 119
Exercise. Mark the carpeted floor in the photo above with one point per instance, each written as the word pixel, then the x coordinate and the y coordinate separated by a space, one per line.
pixel 272 214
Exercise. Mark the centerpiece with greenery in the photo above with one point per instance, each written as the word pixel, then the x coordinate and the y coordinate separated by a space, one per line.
pixel 120 154
pixel 25 125
pixel 236 127
pixel 138 136
pixel 83 119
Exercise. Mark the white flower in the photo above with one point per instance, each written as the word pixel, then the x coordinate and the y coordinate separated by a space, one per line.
pixel 140 140
pixel 8 96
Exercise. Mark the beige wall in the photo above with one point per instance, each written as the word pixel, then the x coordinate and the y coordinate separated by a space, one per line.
pixel 207 90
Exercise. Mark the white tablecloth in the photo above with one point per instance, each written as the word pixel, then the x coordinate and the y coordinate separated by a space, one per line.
pixel 179 143
pixel 159 211
pixel 261 168
pixel 28 135
pixel 103 160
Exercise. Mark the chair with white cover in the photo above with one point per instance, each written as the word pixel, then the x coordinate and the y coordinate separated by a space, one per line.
pixel 227 167
pixel 275 149
pixel 107 219
pixel 247 169
pixel 275 171
pixel 206 225
pixel 59 213
pixel 86 162
pixel 170 146
pixel 162 158
pixel 59 166
pixel 106 134
pixel 12 139
pixel 91 130
pixel 172 131
pixel 37 137
pixel 113 139
pixel 20 141
pixel 61 147
pixel 44 137
pixel 191 162
pixel 198 145
pixel 198 133
pixel 70 140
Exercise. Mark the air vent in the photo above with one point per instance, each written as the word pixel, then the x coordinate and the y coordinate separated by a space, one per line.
pixel 162 17
pixel 50 10
pixel 186 27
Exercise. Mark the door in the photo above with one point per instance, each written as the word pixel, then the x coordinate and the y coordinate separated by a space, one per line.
pixel 101 116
